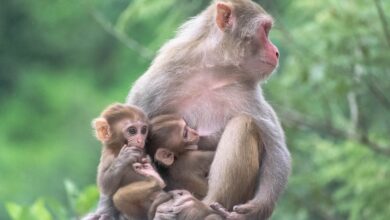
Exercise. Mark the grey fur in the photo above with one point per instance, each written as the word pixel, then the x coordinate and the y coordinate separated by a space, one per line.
pixel 201 75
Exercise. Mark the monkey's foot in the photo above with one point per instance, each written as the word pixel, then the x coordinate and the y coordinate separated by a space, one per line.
pixel 235 215
pixel 252 210
pixel 244 208
pixel 181 199
pixel 219 209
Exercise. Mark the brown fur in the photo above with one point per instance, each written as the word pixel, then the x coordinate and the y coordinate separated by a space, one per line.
pixel 190 171
pixel 129 191
pixel 191 167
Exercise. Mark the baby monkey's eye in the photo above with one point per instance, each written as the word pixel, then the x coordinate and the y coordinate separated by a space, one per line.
pixel 185 133
pixel 144 129
pixel 132 130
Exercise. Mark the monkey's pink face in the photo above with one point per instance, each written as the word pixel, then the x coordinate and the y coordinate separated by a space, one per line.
pixel 135 133
pixel 271 52
pixel 266 56
pixel 261 55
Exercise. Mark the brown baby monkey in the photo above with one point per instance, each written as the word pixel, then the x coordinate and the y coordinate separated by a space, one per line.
pixel 127 181
pixel 174 145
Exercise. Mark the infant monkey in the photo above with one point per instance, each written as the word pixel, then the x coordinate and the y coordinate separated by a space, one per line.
pixel 174 145
pixel 127 181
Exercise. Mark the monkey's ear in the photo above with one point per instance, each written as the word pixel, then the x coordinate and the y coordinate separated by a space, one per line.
pixel 224 18
pixel 164 156
pixel 102 129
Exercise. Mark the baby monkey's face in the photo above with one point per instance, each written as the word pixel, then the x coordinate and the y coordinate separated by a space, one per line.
pixel 189 136
pixel 170 137
pixel 134 133
pixel 180 137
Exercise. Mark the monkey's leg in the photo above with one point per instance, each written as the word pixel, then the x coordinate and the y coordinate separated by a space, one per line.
pixel 235 168
pixel 190 172
pixel 133 198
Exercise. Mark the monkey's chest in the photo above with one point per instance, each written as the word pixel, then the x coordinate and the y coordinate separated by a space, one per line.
pixel 209 110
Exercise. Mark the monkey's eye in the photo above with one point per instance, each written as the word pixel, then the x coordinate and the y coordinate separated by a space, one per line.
pixel 267 27
pixel 185 133
pixel 132 130
pixel 144 129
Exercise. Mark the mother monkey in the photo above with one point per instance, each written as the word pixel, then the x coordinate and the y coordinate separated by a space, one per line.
pixel 210 74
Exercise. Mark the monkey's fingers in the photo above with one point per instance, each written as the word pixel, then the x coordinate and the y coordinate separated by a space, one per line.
pixel 165 216
pixel 244 208
pixel 137 166
pixel 144 160
pixel 147 166
pixel 222 211
pixel 181 207
pixel 160 181
pixel 164 209
pixel 236 216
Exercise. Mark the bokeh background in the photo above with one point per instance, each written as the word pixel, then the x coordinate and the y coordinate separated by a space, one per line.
pixel 63 61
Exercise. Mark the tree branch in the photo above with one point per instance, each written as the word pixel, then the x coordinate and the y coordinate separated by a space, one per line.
pixel 354 113
pixel 382 17
pixel 296 119
pixel 129 42
pixel 377 92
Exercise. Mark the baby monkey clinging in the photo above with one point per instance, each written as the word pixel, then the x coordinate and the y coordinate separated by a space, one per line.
pixel 128 182
pixel 174 145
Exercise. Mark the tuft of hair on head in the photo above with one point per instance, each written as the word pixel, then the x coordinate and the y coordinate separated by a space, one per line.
pixel 157 131
pixel 118 111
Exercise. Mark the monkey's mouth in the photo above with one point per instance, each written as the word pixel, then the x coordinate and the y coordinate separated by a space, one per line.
pixel 126 142
pixel 273 64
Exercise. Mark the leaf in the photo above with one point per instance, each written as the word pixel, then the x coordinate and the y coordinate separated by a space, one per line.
pixel 87 200
pixel 138 10
pixel 39 210
pixel 72 193
pixel 14 210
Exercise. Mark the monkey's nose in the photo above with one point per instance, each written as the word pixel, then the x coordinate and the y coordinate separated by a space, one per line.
pixel 277 54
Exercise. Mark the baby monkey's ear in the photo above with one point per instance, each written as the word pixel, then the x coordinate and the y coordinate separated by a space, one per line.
pixel 102 129
pixel 164 156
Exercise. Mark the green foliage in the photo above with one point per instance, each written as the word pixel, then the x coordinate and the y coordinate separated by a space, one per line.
pixel 81 202
pixel 37 211
pixel 337 118
pixel 61 62
pixel 47 209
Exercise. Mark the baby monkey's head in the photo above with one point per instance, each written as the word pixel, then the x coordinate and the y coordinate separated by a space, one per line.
pixel 121 124
pixel 169 137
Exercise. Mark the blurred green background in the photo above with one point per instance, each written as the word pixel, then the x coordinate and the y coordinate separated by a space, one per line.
pixel 63 61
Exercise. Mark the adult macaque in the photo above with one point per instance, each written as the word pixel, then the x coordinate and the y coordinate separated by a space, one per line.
pixel 174 145
pixel 127 181
pixel 209 74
